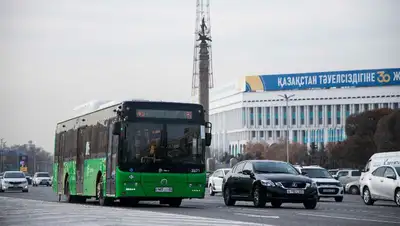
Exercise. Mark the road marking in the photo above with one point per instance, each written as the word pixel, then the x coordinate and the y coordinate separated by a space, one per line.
pixel 13 208
pixel 252 215
pixel 348 218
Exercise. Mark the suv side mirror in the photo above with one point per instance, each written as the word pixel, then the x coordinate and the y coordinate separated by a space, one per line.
pixel 116 130
pixel 208 127
pixel 303 173
pixel 247 172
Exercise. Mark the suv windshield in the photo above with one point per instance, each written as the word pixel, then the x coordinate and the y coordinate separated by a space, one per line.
pixel 42 175
pixel 317 173
pixel 14 175
pixel 275 167
pixel 150 145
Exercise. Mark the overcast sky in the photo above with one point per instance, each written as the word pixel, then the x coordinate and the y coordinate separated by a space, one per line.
pixel 55 55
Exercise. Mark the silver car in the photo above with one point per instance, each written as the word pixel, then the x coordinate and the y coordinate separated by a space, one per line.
pixel 14 181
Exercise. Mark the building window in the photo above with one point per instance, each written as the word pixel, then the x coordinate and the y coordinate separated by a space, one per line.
pixel 269 134
pixel 302 115
pixel 303 134
pixel 311 114
pixel 356 108
pixel 347 110
pixel 251 116
pixel 259 116
pixel 293 115
pixel 244 116
pixel 261 133
pixel 253 134
pixel 268 116
pixel 278 134
pixel 295 136
pixel 385 105
pixel 329 109
pixel 395 105
pixel 338 115
pixel 276 112
pixel 320 115
pixel 366 106
pixel 284 116
pixel 376 106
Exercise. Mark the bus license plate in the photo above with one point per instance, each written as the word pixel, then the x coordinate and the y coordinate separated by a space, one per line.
pixel 164 189
pixel 295 191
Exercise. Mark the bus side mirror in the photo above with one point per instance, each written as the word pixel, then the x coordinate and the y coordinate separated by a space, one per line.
pixel 208 134
pixel 116 130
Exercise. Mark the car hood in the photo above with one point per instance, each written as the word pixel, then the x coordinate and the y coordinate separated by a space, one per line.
pixel 14 179
pixel 281 177
pixel 325 180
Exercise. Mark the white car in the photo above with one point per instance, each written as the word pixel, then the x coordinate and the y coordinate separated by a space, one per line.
pixel 14 181
pixel 215 181
pixel 353 188
pixel 381 184
pixel 328 187
pixel 41 178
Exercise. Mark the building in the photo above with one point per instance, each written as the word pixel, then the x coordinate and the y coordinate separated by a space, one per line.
pixel 253 109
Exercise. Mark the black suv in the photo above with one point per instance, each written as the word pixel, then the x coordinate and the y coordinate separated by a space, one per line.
pixel 263 181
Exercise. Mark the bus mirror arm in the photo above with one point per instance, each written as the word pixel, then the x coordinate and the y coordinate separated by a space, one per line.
pixel 208 134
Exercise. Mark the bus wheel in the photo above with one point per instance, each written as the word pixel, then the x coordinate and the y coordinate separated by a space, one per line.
pixel 175 202
pixel 103 201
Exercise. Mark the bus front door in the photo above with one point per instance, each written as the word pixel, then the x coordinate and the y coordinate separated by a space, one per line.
pixel 111 162
pixel 80 159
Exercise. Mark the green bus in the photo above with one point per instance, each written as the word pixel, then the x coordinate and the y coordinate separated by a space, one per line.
pixel 133 151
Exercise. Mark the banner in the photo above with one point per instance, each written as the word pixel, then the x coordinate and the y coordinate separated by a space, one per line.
pixel 23 163
pixel 321 80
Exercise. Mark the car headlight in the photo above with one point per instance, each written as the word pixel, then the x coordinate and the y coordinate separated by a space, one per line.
pixel 312 184
pixel 268 183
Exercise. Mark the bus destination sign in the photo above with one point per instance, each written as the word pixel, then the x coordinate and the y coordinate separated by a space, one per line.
pixel 167 114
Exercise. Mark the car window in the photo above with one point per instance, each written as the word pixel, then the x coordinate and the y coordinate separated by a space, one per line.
pixel 355 173
pixel 317 173
pixel 275 167
pixel 398 170
pixel 389 172
pixel 14 175
pixel 218 173
pixel 239 167
pixel 226 171
pixel 343 173
pixel 42 175
pixel 379 171
pixel 248 166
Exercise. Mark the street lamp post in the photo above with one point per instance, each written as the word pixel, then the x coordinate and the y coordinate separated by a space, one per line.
pixel 287 99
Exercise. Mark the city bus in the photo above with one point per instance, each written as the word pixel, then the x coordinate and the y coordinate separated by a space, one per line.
pixel 133 151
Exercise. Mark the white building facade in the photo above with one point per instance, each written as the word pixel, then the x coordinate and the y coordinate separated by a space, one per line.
pixel 253 109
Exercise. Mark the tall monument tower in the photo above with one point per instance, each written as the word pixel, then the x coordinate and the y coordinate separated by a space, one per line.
pixel 202 79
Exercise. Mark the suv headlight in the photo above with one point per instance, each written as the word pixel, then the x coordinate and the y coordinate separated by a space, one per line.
pixel 312 185
pixel 268 183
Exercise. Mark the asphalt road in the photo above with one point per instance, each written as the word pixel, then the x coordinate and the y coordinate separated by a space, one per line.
pixel 352 211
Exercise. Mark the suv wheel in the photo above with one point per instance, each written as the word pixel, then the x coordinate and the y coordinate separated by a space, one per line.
pixel 259 199
pixel 367 197
pixel 310 204
pixel 227 197
pixel 397 197
pixel 210 189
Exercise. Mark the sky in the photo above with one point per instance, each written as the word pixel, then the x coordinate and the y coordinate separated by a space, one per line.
pixel 55 55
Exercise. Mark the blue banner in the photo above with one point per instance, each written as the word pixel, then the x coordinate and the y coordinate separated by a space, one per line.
pixel 356 78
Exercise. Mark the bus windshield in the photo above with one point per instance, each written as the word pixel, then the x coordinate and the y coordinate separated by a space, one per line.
pixel 147 147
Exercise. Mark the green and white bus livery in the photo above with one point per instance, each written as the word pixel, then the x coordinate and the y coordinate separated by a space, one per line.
pixel 133 151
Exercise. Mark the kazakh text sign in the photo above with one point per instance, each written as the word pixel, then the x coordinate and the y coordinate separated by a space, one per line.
pixel 359 78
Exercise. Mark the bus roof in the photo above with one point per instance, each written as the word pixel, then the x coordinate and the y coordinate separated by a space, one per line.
pixel 113 104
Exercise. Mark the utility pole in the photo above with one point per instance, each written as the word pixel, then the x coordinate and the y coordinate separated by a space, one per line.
pixel 287 99
pixel 2 145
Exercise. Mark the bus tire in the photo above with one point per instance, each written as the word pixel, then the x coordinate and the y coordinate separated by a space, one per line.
pixel 103 201
pixel 175 202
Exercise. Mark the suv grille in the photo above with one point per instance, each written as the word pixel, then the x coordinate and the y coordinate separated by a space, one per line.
pixel 328 183
pixel 294 184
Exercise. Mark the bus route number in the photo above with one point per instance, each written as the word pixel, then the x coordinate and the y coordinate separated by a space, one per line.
pixel 195 170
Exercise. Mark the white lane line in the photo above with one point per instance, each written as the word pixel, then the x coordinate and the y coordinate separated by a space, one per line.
pixel 253 215
pixel 348 218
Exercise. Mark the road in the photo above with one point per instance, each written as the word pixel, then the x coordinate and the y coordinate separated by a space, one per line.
pixel 209 211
